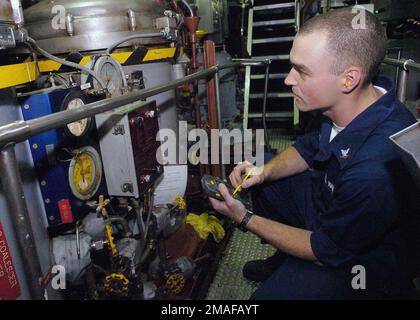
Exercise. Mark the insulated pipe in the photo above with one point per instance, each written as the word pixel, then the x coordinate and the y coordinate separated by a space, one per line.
pixel 133 37
pixel 18 211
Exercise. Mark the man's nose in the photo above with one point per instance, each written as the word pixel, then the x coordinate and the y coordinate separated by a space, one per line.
pixel 290 79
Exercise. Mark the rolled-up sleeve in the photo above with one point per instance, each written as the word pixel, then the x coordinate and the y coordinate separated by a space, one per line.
pixel 308 145
pixel 364 208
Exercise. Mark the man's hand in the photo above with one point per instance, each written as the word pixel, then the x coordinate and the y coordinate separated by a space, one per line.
pixel 231 207
pixel 256 177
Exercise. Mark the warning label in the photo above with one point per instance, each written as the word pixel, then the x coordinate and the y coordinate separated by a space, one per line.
pixel 9 285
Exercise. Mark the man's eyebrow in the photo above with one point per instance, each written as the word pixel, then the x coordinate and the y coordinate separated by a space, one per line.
pixel 300 67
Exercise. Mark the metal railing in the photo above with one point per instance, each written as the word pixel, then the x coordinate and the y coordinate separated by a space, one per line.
pixel 19 131
pixel 404 66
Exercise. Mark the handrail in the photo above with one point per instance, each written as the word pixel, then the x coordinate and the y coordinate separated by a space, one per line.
pixel 406 64
pixel 19 131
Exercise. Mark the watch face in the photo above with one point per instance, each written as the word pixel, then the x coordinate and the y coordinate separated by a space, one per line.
pixel 80 127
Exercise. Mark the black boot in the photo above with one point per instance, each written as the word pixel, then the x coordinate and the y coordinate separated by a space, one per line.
pixel 261 270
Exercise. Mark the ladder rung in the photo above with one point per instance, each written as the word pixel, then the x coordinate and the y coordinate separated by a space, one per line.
pixel 270 40
pixel 274 57
pixel 273 22
pixel 271 76
pixel 274 6
pixel 285 114
pixel 271 95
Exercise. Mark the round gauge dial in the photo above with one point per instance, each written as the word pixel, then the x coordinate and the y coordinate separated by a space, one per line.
pixel 85 173
pixel 80 127
pixel 77 129
pixel 110 71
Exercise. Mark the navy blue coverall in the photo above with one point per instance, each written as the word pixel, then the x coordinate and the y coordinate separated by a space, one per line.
pixel 349 200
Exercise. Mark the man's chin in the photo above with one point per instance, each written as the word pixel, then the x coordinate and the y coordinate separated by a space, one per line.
pixel 301 106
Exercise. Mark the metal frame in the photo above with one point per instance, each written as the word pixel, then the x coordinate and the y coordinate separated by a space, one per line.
pixel 405 66
pixel 297 27
pixel 18 131
pixel 296 4
pixel 247 88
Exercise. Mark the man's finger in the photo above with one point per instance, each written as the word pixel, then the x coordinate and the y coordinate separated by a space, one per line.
pixel 250 182
pixel 216 204
pixel 238 171
pixel 219 206
pixel 225 194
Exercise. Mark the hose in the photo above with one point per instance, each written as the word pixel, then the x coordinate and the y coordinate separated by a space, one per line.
pixel 66 63
pixel 121 221
pixel 132 37
pixel 187 5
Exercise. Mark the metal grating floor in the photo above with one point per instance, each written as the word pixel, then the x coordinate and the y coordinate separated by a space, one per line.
pixel 278 139
pixel 229 283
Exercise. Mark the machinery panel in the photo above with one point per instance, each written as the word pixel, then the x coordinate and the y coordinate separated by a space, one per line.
pixel 144 127
pixel 129 149
pixel 54 153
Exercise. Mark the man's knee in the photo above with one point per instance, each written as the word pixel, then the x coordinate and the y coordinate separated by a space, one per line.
pixel 282 200
pixel 299 279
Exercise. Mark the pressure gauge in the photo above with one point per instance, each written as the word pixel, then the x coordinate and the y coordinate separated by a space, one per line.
pixel 77 129
pixel 85 173
pixel 111 72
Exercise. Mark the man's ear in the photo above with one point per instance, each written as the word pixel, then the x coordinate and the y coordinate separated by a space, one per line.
pixel 351 79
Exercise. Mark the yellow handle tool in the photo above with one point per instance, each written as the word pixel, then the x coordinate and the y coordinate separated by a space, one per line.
pixel 240 186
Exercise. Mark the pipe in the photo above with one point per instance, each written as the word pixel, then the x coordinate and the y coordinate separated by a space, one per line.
pixel 264 108
pixel 212 105
pixel 21 130
pixel 18 211
pixel 219 119
pixel 403 63
pixel 132 37
pixel 66 63
pixel 186 4
pixel 402 86
pixel 123 223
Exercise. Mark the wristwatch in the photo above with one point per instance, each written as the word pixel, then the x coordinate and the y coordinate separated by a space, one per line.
pixel 242 225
